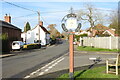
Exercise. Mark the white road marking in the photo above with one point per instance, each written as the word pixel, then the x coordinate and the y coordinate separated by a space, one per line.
pixel 33 73
pixel 41 73
pixel 51 63
pixel 60 60
pixel 46 70
pixel 27 77
pixel 38 70
pixel 46 66
pixel 57 62
pixel 50 67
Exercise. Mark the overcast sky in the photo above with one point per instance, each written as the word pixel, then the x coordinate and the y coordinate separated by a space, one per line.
pixel 51 12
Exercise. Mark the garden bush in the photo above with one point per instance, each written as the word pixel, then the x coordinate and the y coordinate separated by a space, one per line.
pixel 5 43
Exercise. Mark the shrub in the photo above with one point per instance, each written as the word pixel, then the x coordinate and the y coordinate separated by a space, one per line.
pixel 5 43
pixel 77 37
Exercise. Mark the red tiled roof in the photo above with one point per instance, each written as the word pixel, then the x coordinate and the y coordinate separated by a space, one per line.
pixel 100 27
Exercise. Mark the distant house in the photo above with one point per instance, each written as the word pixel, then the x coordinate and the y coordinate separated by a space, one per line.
pixel 82 32
pixel 110 32
pixel 101 30
pixel 13 32
pixel 37 33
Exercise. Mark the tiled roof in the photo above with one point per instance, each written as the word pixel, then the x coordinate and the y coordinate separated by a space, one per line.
pixel 100 27
pixel 44 29
pixel 112 32
pixel 5 24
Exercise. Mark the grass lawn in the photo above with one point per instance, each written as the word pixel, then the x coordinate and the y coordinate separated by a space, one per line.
pixel 98 72
pixel 96 49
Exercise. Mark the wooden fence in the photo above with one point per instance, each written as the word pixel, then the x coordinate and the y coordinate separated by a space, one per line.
pixel 101 42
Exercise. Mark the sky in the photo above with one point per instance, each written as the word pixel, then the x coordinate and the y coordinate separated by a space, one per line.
pixel 50 12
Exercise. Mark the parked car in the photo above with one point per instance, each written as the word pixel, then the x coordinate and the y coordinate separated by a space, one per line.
pixel 17 45
pixel 52 41
pixel 59 41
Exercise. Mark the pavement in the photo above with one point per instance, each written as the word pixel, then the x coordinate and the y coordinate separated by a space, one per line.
pixel 6 55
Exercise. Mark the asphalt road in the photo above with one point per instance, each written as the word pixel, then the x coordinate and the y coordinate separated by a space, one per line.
pixel 21 65
pixel 61 65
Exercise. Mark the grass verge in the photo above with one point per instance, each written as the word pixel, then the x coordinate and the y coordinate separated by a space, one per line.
pixel 98 72
pixel 84 48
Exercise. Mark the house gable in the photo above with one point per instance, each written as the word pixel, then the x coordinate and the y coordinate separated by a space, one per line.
pixel 110 32
pixel 33 35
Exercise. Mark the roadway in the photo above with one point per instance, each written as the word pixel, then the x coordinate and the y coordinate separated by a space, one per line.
pixel 27 61
pixel 40 62
pixel 61 65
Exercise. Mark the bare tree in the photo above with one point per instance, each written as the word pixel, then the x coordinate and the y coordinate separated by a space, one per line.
pixel 53 31
pixel 114 21
pixel 91 15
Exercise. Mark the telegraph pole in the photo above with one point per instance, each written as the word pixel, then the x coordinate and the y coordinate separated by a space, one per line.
pixel 39 26
pixel 38 16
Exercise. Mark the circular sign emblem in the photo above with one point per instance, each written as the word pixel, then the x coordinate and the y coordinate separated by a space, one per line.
pixel 70 23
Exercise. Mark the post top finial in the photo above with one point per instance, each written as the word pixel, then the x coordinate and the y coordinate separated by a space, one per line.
pixel 71 10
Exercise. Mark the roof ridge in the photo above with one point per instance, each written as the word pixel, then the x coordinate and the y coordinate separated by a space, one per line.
pixel 3 23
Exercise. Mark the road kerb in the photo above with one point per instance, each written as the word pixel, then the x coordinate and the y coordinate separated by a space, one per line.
pixel 6 55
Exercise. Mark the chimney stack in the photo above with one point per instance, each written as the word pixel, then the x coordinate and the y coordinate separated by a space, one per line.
pixel 7 18
pixel 41 23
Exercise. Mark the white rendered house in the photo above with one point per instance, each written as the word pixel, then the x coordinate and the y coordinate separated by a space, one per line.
pixel 36 34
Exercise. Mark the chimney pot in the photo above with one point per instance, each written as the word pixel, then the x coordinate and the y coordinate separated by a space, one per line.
pixel 7 18
pixel 41 23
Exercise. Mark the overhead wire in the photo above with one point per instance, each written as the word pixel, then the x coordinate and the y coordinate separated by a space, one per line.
pixel 44 20
pixel 47 12
pixel 19 6
pixel 24 16
pixel 41 12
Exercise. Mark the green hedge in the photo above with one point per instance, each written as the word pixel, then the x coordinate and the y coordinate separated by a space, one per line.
pixel 5 43
pixel 77 37
pixel 32 46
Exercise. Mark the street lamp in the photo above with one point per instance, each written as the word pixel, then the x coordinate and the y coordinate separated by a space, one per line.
pixel 70 24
